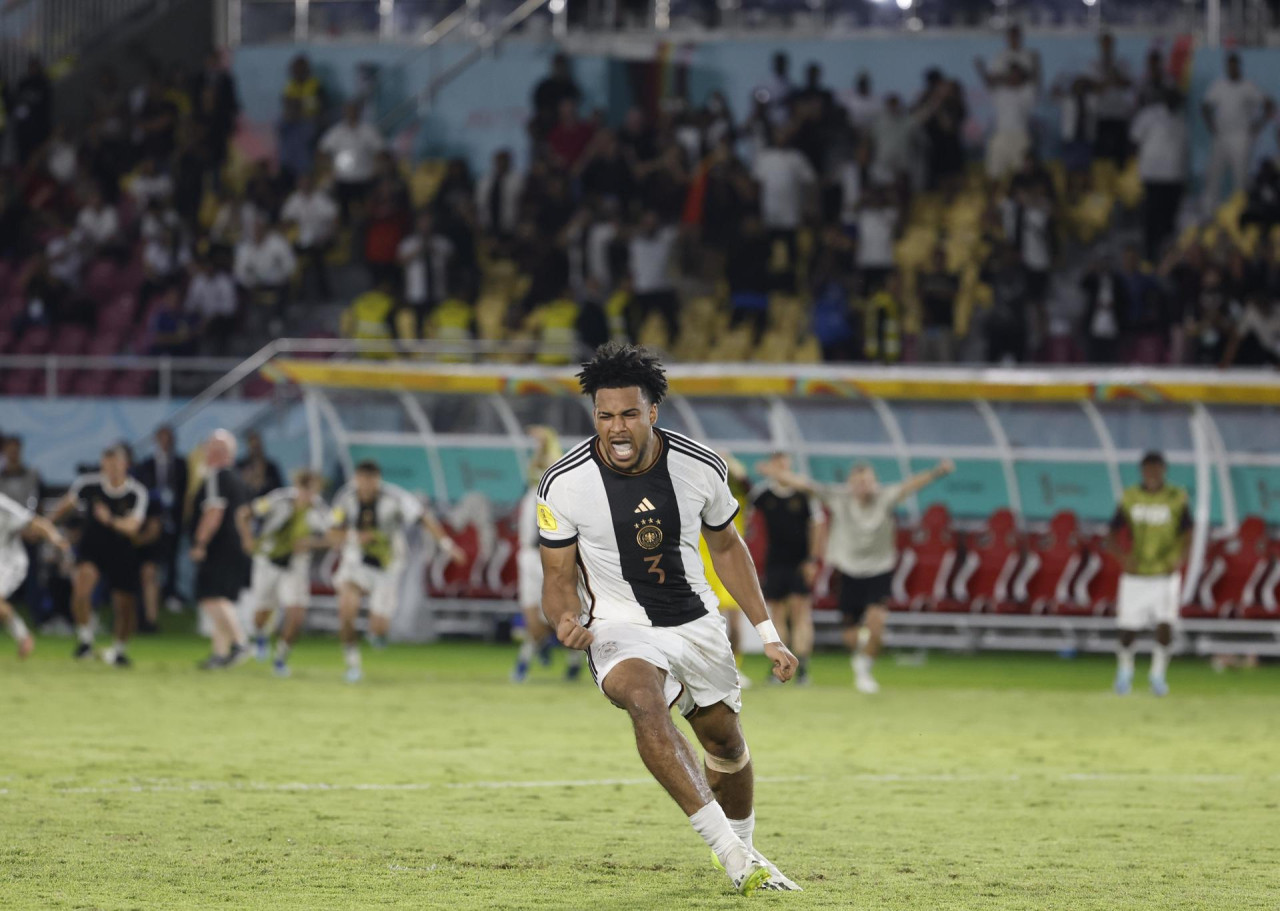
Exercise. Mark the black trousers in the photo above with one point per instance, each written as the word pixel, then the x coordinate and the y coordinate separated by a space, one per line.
pixel 1160 203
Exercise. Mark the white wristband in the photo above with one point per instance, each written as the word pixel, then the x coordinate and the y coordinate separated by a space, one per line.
pixel 768 632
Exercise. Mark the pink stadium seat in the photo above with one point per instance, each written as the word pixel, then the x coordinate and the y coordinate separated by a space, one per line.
pixel 100 280
pixel 6 339
pixel 118 315
pixel 11 307
pixel 1053 560
pixel 923 576
pixel 70 340
pixel 131 383
pixel 66 381
pixel 35 340
pixel 24 382
pixel 1234 571
pixel 91 382
pixel 992 556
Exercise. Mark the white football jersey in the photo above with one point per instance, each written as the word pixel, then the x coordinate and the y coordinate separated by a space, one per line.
pixel 275 511
pixel 393 512
pixel 14 517
pixel 637 535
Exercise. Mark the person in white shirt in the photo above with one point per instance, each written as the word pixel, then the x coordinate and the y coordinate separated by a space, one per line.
pixel 264 267
pixel 66 262
pixel 98 225
pixel 861 104
pixel 652 289
pixel 1160 134
pixel 775 92
pixel 313 215
pixel 149 184
pixel 877 222
pixel 1235 110
pixel 1112 89
pixel 163 258
pixel 1013 95
pixel 785 176
pixel 353 146
pixel 1256 339
pixel 425 258
pixel 1015 53
pixel 211 299
pixel 498 196
pixel 894 138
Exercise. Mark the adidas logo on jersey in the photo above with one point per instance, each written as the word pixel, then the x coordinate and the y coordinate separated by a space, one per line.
pixel 645 506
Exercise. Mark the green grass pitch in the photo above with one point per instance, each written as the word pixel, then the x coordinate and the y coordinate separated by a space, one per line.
pixel 971 782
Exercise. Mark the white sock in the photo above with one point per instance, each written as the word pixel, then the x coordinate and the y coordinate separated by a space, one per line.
pixel 1124 660
pixel 711 823
pixel 744 829
pixel 527 648
pixel 119 645
pixel 85 634
pixel 1159 660
pixel 351 653
pixel 282 650
pixel 17 628
pixel 862 664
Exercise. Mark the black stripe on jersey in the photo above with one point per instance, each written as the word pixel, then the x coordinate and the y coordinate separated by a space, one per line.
pixel 722 473
pixel 725 524
pixel 591 596
pixel 557 542
pixel 654 569
pixel 576 456
pixel 677 438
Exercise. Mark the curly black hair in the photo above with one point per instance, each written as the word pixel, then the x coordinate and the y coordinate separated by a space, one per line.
pixel 618 366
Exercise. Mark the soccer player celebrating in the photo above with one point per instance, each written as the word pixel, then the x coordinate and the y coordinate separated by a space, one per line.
pixel 220 546
pixel 796 526
pixel 291 524
pixel 369 521
pixel 619 518
pixel 740 487
pixel 862 551
pixel 539 638
pixel 1159 522
pixel 114 506
pixel 15 519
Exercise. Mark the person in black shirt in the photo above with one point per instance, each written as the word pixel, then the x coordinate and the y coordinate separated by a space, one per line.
pixel 32 110
pixel 794 522
pixel 220 545
pixel 113 507
pixel 164 474
pixel 258 471
pixel 556 87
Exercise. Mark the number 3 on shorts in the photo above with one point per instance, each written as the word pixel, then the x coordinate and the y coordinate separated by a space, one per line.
pixel 655 568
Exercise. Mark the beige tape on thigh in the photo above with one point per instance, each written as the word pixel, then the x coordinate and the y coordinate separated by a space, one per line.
pixel 729 766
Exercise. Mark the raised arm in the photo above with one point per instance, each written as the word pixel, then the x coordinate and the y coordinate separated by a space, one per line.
pixel 732 562
pixel 919 482
pixel 560 602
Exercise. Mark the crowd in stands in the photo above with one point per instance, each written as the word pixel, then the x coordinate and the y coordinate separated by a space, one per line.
pixel 804 223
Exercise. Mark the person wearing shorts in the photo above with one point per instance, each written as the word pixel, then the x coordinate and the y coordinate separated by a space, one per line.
pixel 15 521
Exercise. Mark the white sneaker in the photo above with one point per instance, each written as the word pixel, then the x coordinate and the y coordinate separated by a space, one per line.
pixel 753 877
pixel 866 684
pixel 776 882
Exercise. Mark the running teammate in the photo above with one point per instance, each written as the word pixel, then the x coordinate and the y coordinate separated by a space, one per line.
pixel 1159 523
pixel 619 518
pixel 539 638
pixel 369 521
pixel 796 529
pixel 291 524
pixel 113 506
pixel 15 519
pixel 863 553
pixel 740 487
pixel 220 546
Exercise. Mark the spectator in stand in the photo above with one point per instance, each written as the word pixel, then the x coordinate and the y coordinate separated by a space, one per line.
pixel 937 289
pixel 14 221
pixel 211 301
pixel 98 227
pixel 775 91
pixel 1106 312
pixel 1255 338
pixel 882 322
pixel 604 172
pixel 370 314
pixel 663 182
pixel 66 257
pixel 1207 325
pixel 861 103
pixel 46 299
pixel 832 315
pixel 425 256
pixel 785 177
pixel 1234 110
pixel 1160 134
pixel 877 222
pixel 894 135
pixel 718 124
pixel 853 177
pixel 190 168
pixel 217 107
pixel 295 142
pixel 550 94
pixel 1013 95
pixel 305 90
pixel 170 331
pixel 1147 325
pixel 498 196
pixel 156 117
pixel 165 257
pixel 637 137
pixel 31 110
pixel 60 158
pixel 352 146
pixel 1014 53
pixel 813 126
pixel 1154 82
pixel 164 474
pixel 1112 87
pixel 941 111
pixel 1263 205
pixel 312 215
pixel 1005 323
pixel 149 184
pixel 652 288
pixel 264 267
pixel 1078 124
pixel 1030 225
pixel 158 218
pixel 386 226
pixel 235 219
pixel 257 470
pixel 569 138
pixel 748 276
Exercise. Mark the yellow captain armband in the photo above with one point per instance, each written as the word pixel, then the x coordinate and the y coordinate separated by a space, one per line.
pixel 546 521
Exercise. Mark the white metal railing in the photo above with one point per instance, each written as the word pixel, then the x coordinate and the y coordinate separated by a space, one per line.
pixel 55 29
pixel 54 366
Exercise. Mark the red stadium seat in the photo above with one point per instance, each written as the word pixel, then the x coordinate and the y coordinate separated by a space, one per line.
pixel 24 382
pixel 447 579
pixel 131 383
pixel 1266 603
pixel 91 382
pixel 1053 560
pixel 70 340
pixel 1234 570
pixel 924 571
pixel 991 558
pixel 501 571
pixel 35 340
pixel 1094 591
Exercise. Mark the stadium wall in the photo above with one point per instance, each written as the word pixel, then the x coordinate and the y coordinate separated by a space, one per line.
pixel 486 107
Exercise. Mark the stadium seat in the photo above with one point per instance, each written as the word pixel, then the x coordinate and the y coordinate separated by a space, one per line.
pixel 1093 593
pixel 448 579
pixel 70 340
pixel 35 340
pixel 982 582
pixel 1053 560
pixel 924 571
pixel 131 383
pixel 91 382
pixel 501 572
pixel 1234 570
pixel 1266 603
